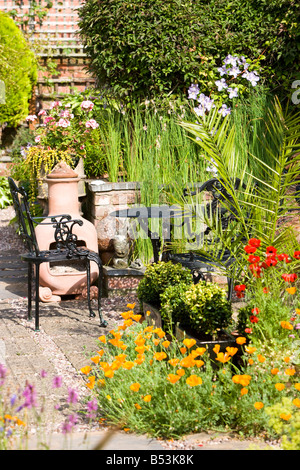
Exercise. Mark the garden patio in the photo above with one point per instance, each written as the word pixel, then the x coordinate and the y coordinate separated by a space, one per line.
pixel 165 195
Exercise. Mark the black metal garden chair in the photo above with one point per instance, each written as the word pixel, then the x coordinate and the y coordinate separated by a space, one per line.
pixel 65 249
pixel 212 257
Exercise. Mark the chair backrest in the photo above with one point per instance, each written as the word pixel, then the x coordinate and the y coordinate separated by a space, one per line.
pixel 24 217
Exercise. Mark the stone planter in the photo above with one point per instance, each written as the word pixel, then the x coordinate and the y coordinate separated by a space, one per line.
pixel 152 315
pixel 102 199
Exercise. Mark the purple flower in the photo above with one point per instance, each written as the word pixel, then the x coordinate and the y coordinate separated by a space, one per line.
pixel 234 71
pixel 193 92
pixel 69 424
pixel 233 92
pixel 30 396
pixel 57 382
pixel 222 70
pixel 224 110
pixel 92 407
pixel 252 77
pixel 43 374
pixel 13 399
pixel 2 374
pixel 73 396
pixel 221 84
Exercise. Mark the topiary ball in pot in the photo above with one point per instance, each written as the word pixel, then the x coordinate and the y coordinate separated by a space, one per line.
pixel 158 277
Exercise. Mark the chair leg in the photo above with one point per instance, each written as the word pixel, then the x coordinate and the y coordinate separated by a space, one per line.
pixel 37 297
pixel 230 289
pixel 29 280
pixel 100 279
pixel 88 274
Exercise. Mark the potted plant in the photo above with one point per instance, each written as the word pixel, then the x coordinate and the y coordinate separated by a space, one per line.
pixel 62 135
pixel 157 278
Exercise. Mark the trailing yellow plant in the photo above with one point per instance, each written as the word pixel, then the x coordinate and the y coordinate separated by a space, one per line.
pixel 41 161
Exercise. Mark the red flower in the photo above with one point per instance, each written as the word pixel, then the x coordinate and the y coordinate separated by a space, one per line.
pixel 250 249
pixel 266 290
pixel 271 261
pixel 270 250
pixel 254 319
pixel 289 277
pixel 248 330
pixel 254 242
pixel 283 257
pixel 239 288
pixel 297 254
pixel 255 310
pixel 255 269
pixel 253 259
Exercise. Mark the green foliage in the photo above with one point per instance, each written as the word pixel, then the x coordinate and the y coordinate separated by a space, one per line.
pixel 156 48
pixel 202 307
pixel 285 420
pixel 5 196
pixel 18 70
pixel 158 277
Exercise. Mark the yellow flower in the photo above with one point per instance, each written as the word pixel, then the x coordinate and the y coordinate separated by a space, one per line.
pixel 160 333
pixel 174 361
pixel 244 391
pixel 183 350
pixel 127 315
pixel 86 370
pixel 187 361
pixel 261 358
pixel 131 306
pixel 91 382
pixel 291 290
pixel 102 339
pixel 241 340
pixel 147 398
pixel 258 405
pixel 127 365
pixel 216 349
pixel 232 351
pixel 109 373
pixel 136 317
pixel 108 397
pixel 298 311
pixel 166 344
pixel 250 349
pixel 135 387
pixel 199 363
pixel 274 371
pixel 95 359
pixel 194 380
pixel 287 325
pixel 290 371
pixel 242 379
pixel 297 386
pixel 287 359
pixel 140 359
pixel 159 356
pixel 180 372
pixel 296 402
pixel 156 341
pixel 199 351
pixel 101 352
pixel 189 342
pixel 279 386
pixel 285 416
pixel 173 378
pixel 138 407
pixel 250 361
pixel 140 349
pixel 223 357
pixel 101 382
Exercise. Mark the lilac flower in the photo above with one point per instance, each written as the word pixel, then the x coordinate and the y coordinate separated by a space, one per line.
pixel 224 110
pixel 222 70
pixel 232 60
pixel 193 92
pixel 92 407
pixel 221 84
pixel 199 110
pixel 30 396
pixel 234 71
pixel 205 101
pixel 57 382
pixel 69 424
pixel 2 374
pixel 233 92
pixel 13 399
pixel 43 374
pixel 252 77
pixel 73 396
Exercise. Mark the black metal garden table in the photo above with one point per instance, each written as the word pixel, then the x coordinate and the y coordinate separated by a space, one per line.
pixel 165 213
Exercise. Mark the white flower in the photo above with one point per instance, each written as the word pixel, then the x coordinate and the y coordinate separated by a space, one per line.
pixel 221 84
pixel 252 77
pixel 37 138
pixel 233 93
pixel 232 60
pixel 200 111
pixel 63 123
pixel 222 70
pixel 92 123
pixel 87 104
pixel 234 71
pixel 31 117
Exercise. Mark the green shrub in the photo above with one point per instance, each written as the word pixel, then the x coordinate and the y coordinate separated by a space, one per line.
pixel 18 71
pixel 201 307
pixel 158 277
pixel 154 48
pixel 5 196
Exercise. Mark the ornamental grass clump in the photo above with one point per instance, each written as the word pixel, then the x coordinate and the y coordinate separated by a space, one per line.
pixel 148 382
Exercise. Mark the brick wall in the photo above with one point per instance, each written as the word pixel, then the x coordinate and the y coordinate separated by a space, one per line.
pixel 58 40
